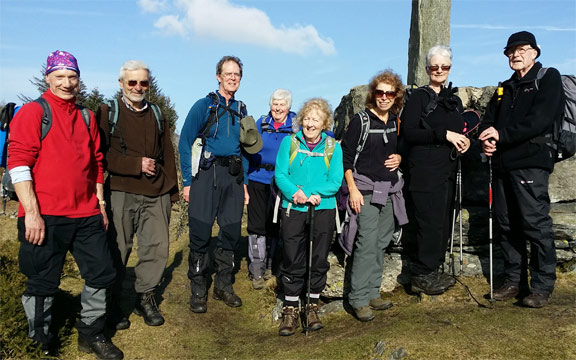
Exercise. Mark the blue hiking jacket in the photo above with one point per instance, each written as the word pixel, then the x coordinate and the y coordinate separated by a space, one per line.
pixel 271 140
pixel 308 173
pixel 223 139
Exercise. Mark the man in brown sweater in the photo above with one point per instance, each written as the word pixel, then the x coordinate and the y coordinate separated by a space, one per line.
pixel 142 185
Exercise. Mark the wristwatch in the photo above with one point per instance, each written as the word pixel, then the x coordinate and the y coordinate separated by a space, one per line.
pixel 102 202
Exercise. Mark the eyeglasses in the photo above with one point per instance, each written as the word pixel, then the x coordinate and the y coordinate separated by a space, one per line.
pixel 437 67
pixel 143 83
pixel 520 51
pixel 229 75
pixel 389 94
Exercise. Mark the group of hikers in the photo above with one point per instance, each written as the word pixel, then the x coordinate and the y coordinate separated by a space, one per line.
pixel 287 168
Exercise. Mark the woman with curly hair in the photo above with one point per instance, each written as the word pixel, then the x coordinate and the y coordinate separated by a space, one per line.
pixel 308 173
pixel 371 171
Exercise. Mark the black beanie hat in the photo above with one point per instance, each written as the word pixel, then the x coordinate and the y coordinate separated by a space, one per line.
pixel 522 38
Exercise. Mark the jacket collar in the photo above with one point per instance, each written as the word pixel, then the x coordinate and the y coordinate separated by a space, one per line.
pixel 58 102
pixel 287 123
pixel 529 77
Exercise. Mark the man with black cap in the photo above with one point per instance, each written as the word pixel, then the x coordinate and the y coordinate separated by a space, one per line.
pixel 213 146
pixel 57 173
pixel 521 113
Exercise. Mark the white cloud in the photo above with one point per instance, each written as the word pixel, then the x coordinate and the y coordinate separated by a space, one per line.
pixel 152 6
pixel 170 24
pixel 222 20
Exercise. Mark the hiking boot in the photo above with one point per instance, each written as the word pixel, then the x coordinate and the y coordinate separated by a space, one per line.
pixel 198 304
pixel 364 313
pixel 313 320
pixel 102 347
pixel 147 308
pixel 268 274
pixel 435 283
pixel 289 321
pixel 537 299
pixel 507 291
pixel 229 298
pixel 258 284
pixel 379 304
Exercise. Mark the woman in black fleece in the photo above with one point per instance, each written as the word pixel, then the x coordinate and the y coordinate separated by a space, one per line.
pixel 432 129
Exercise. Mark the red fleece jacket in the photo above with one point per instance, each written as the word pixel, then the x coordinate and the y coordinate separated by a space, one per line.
pixel 66 164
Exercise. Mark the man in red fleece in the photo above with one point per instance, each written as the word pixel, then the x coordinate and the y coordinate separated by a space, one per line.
pixel 59 182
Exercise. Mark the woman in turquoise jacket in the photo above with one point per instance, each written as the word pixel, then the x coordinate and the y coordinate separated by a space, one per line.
pixel 308 172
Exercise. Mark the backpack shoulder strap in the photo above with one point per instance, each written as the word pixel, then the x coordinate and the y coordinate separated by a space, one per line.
pixel 539 76
pixel 213 116
pixel 242 109
pixel 329 150
pixel 46 117
pixel 364 131
pixel 112 114
pixel 431 106
pixel 159 117
pixel 85 116
pixel 294 144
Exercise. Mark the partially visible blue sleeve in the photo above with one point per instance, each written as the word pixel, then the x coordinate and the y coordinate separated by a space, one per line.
pixel 192 125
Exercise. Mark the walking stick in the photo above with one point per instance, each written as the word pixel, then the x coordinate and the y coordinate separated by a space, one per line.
pixel 457 207
pixel 459 184
pixel 452 265
pixel 490 228
pixel 311 212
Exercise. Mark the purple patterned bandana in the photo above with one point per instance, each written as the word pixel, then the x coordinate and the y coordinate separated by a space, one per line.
pixel 61 60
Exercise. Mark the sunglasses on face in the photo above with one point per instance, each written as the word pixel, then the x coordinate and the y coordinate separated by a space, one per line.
pixel 381 93
pixel 436 67
pixel 143 83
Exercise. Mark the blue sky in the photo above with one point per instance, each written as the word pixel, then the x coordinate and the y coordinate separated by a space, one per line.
pixel 315 48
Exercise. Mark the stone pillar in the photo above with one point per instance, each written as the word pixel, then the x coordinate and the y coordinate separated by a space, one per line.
pixel 429 26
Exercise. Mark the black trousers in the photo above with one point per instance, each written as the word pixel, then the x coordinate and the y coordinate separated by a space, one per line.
pixel 433 219
pixel 260 210
pixel 295 234
pixel 215 195
pixel 85 238
pixel 522 214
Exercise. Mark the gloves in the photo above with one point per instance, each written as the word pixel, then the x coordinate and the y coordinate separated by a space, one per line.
pixel 447 97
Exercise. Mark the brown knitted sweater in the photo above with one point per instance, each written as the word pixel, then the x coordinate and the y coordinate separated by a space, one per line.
pixel 140 133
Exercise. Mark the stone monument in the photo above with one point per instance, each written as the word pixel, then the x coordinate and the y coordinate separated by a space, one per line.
pixel 429 26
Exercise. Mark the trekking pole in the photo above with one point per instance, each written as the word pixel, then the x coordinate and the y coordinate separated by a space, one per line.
pixel 452 265
pixel 459 182
pixel 311 211
pixel 490 228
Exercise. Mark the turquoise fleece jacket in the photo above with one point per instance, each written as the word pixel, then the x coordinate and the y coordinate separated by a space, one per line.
pixel 308 173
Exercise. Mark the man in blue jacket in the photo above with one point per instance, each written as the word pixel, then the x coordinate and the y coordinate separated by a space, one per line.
pixel 214 184
pixel 519 114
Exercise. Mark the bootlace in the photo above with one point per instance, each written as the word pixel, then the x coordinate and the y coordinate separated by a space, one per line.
pixel 150 299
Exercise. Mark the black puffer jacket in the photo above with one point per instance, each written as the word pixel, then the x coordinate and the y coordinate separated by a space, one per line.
pixel 522 114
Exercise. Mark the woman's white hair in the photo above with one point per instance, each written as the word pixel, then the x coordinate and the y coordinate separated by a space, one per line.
pixel 282 94
pixel 438 50
pixel 131 65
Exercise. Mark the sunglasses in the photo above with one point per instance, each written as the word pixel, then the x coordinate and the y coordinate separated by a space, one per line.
pixel 143 83
pixel 389 94
pixel 436 67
